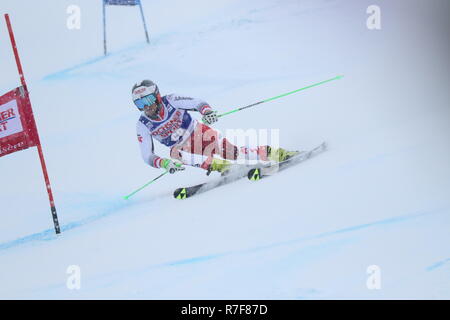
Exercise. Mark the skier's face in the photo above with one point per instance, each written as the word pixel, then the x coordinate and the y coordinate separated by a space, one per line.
pixel 150 104
pixel 152 110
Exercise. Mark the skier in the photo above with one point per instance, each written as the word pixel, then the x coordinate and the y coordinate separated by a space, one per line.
pixel 192 143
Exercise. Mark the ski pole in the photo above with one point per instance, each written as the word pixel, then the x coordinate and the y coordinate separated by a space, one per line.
pixel 280 96
pixel 145 185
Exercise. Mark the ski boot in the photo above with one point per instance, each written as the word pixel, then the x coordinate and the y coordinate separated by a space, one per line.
pixel 219 165
pixel 280 154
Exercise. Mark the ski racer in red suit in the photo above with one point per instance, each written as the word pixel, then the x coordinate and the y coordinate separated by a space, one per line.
pixel 167 120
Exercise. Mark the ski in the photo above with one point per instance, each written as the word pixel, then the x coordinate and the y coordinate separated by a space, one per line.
pixel 246 171
pixel 187 192
pixel 255 174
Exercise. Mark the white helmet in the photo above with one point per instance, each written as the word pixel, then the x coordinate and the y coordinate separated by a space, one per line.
pixel 145 93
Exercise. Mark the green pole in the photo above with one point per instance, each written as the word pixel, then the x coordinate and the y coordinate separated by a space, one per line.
pixel 145 185
pixel 280 96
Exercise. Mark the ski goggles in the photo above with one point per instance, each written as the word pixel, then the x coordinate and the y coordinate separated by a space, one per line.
pixel 145 101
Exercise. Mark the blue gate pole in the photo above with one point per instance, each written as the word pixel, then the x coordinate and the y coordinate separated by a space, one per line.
pixel 143 21
pixel 104 28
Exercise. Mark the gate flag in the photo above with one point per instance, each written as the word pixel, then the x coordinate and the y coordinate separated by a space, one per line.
pixel 17 126
pixel 18 129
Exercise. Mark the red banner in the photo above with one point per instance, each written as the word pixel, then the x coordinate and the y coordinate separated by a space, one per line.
pixel 17 126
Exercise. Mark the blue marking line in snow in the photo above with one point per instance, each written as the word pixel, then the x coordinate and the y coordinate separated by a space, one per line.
pixel 194 260
pixel 66 73
pixel 278 244
pixel 49 234
pixel 341 231
pixel 45 235
pixel 437 264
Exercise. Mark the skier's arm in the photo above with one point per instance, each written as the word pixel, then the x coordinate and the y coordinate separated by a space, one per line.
pixel 188 103
pixel 146 145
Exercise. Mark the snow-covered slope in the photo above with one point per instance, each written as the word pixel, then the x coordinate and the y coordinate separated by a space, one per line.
pixel 378 196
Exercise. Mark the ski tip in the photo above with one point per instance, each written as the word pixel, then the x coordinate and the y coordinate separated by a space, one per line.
pixel 180 193
pixel 254 174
